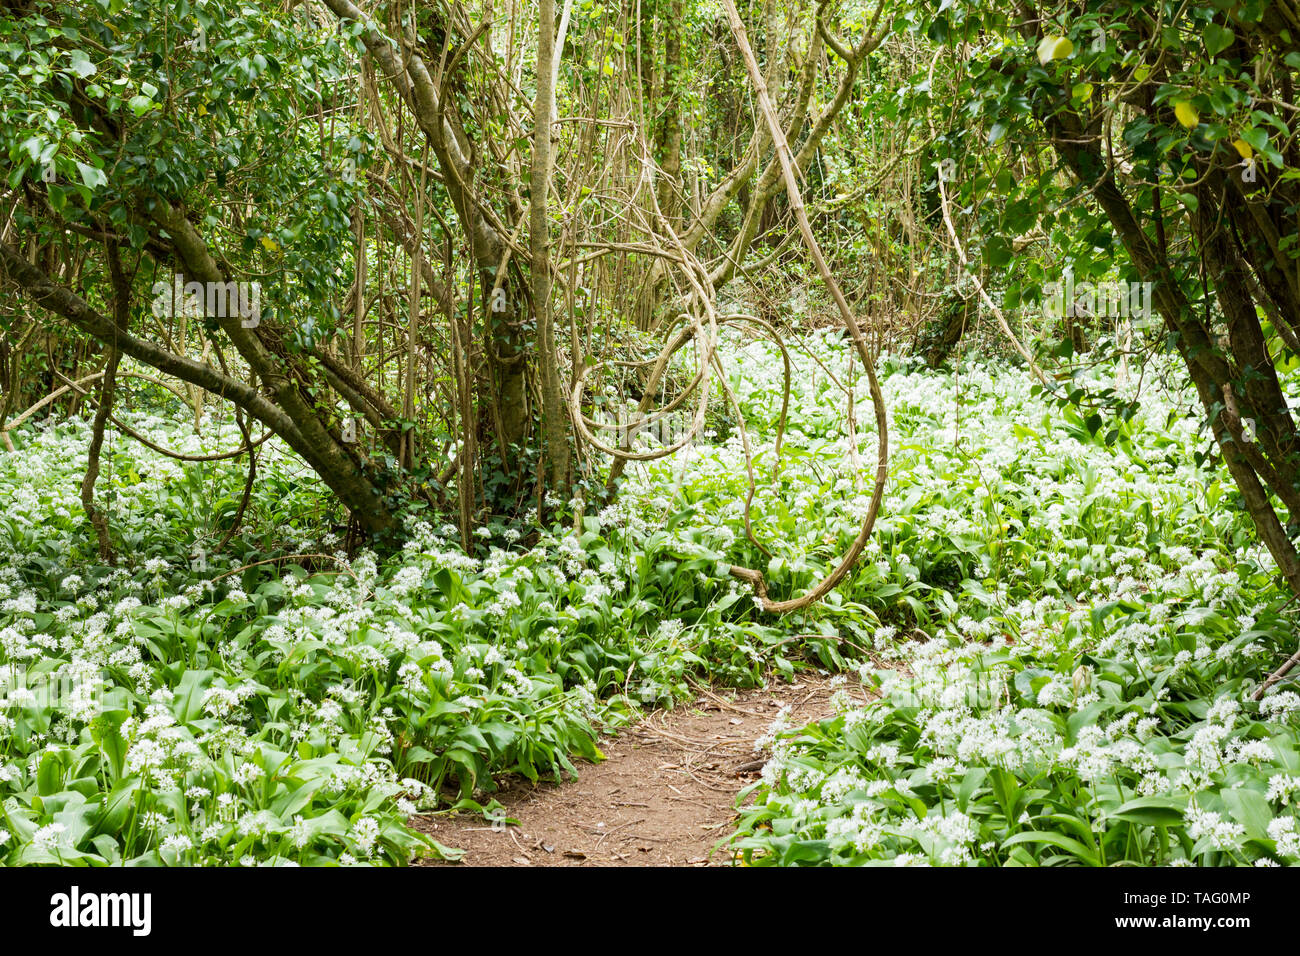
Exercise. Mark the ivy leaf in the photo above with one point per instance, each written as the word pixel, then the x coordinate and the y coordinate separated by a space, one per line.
pixel 92 177
pixel 81 64
pixel 1217 38
pixel 997 252
pixel 1253 137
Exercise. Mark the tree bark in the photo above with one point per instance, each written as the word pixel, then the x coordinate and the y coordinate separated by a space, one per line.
pixel 342 474
pixel 556 456
pixel 107 391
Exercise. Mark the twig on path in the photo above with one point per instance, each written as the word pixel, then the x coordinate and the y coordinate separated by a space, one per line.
pixel 728 706
pixel 623 826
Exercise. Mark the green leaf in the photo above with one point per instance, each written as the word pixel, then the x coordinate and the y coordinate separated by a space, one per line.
pixel 1217 38
pixel 105 732
pixel 997 252
pixel 188 702
pixel 1152 811
pixel 1250 809
pixel 92 177
pixel 1054 839
pixel 49 775
pixel 81 64
pixel 1255 137
pixel 117 806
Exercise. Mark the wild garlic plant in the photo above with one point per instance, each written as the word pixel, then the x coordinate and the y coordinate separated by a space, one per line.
pixel 1071 634
pixel 1062 635
pixel 200 704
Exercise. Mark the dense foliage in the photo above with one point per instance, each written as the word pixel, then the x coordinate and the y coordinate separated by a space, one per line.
pixel 1062 634
pixel 1074 686
pixel 394 397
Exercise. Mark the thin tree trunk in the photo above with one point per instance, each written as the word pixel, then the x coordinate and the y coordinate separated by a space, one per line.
pixel 107 390
pixel 407 443
pixel 554 413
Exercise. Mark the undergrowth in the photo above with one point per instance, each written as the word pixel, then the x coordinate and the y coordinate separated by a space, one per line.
pixel 1063 633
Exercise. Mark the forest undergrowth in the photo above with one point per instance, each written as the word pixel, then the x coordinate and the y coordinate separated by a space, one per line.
pixel 1065 629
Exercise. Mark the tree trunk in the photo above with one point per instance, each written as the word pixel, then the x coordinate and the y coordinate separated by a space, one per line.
pixel 554 416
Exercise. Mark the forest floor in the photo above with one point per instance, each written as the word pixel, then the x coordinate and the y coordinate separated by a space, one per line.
pixel 664 796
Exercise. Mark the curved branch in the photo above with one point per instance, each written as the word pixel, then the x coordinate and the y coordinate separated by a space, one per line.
pixel 851 323
pixel 66 303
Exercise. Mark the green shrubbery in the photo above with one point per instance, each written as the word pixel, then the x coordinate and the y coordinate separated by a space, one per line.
pixel 1064 634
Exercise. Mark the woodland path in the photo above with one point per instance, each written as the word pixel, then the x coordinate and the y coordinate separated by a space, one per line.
pixel 664 796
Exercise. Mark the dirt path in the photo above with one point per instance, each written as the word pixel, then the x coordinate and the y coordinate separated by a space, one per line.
pixel 664 797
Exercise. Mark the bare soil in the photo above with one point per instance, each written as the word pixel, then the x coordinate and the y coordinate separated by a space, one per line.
pixel 665 795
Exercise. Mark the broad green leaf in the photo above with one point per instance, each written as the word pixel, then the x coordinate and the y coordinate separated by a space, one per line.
pixel 1217 38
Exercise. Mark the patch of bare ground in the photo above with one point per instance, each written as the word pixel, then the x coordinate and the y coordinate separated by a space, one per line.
pixel 664 796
